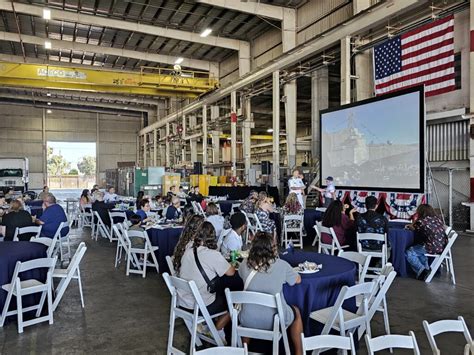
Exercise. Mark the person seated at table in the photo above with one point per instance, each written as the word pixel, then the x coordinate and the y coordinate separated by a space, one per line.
pixel 196 196
pixel 144 210
pixel 430 237
pixel 371 222
pixel 204 252
pixel 101 208
pixel 292 207
pixel 16 217
pixel 181 193
pixel 248 205
pixel 186 239
pixel 231 239
pixel 212 213
pixel 174 210
pixel 53 215
pixel 110 196
pixel 343 226
pixel 136 222
pixel 3 205
pixel 43 193
pixel 262 211
pixel 268 274
pixel 172 192
pixel 85 200
pixel 140 197
pixel 10 194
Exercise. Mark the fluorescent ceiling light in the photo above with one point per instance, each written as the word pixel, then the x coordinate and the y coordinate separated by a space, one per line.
pixel 179 60
pixel 47 45
pixel 126 107
pixel 48 94
pixel 49 103
pixel 270 130
pixel 49 111
pixel 47 14
pixel 206 32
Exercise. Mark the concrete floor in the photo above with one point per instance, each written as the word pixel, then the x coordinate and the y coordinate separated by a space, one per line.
pixel 130 314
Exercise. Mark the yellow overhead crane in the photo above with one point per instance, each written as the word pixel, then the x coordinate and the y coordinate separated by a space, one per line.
pixel 149 81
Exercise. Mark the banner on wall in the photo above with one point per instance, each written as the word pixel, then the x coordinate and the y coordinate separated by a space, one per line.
pixel 397 205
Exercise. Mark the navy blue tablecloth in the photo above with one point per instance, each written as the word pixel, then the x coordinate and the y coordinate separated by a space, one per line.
pixel 321 289
pixel 10 253
pixel 36 207
pixel 400 240
pixel 226 206
pixel 309 221
pixel 165 240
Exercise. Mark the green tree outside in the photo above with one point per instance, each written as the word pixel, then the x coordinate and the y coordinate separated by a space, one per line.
pixel 87 165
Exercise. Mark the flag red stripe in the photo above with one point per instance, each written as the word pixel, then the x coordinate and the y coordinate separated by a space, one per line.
pixel 441 44
pixel 428 37
pixel 427 60
pixel 427 27
pixel 440 91
pixel 428 82
pixel 415 75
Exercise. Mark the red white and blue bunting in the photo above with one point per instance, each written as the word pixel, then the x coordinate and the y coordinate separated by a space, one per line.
pixel 397 205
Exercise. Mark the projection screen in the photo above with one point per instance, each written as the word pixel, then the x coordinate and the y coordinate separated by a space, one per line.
pixel 375 144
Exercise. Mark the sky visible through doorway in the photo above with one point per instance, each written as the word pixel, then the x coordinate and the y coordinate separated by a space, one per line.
pixel 73 151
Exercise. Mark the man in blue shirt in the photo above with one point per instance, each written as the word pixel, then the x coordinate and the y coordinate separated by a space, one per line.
pixel 53 215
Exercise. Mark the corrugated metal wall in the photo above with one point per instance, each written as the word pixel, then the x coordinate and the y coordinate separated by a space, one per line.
pixel 448 141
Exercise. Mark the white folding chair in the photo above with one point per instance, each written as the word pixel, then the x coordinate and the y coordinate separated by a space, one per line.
pixel 51 243
pixel 255 298
pixel 293 224
pixel 19 288
pixel 220 350
pixel 117 215
pixel 134 254
pixel 101 228
pixel 324 247
pixel 86 218
pixel 362 261
pixel 66 275
pixel 169 261
pixel 446 256
pixel 233 207
pixel 27 230
pixel 322 342
pixel 447 326
pixel 191 319
pixel 382 254
pixel 122 245
pixel 198 208
pixel 392 341
pixel 63 227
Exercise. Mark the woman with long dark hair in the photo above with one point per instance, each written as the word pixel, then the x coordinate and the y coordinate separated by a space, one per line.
pixel 85 198
pixel 343 226
pixel 269 274
pixel 187 237
pixel 140 197
pixel 203 264
pixel 430 238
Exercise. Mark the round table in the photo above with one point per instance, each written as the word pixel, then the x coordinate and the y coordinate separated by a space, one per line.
pixel 165 239
pixel 10 253
pixel 309 221
pixel 321 289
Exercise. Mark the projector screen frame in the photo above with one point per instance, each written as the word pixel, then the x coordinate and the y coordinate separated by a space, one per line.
pixel 422 123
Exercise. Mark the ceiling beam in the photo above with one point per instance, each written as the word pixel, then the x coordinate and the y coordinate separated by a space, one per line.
pixel 249 7
pixel 101 21
pixel 203 65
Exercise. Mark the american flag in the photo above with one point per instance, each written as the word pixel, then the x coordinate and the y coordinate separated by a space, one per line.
pixel 424 55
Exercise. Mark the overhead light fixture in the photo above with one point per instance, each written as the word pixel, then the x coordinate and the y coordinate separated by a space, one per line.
pixel 179 60
pixel 48 94
pixel 47 14
pixel 49 111
pixel 47 45
pixel 126 107
pixel 206 32
pixel 270 130
pixel 49 103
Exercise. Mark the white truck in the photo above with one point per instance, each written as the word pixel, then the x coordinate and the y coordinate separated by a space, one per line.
pixel 14 173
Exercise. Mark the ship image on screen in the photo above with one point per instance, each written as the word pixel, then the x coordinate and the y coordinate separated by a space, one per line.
pixel 375 145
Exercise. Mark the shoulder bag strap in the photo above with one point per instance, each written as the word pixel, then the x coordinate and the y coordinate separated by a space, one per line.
pixel 249 279
pixel 199 266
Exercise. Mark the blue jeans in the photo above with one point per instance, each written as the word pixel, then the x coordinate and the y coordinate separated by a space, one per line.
pixel 417 259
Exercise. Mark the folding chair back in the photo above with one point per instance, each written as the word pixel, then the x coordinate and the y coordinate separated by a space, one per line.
pixel 141 264
pixel 324 247
pixel 51 243
pixel 293 224
pixel 445 256
pixel 169 261
pixel 36 230
pixel 122 244
pixel 198 208
pixel 114 216
pixel 101 228
pixel 219 350
pixel 86 219
pixel 261 299
pixel 67 275
pixel 321 342
pixel 446 326
pixel 362 261
pixel 191 318
pixel 392 341
pixel 235 206
pixel 382 253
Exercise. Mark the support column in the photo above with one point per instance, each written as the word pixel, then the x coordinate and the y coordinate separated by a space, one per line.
pixel 471 107
pixel 276 129
pixel 244 59
pixel 193 141
pixel 290 122
pixel 233 131
pixel 319 101
pixel 246 134
pixel 167 146
pixel 215 146
pixel 288 34
pixel 345 70
pixel 145 150
pixel 97 149
pixel 44 148
pixel 184 142
pixel 364 75
pixel 155 148
pixel 204 135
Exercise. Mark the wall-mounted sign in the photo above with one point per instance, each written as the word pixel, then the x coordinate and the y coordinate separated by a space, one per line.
pixel 60 73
